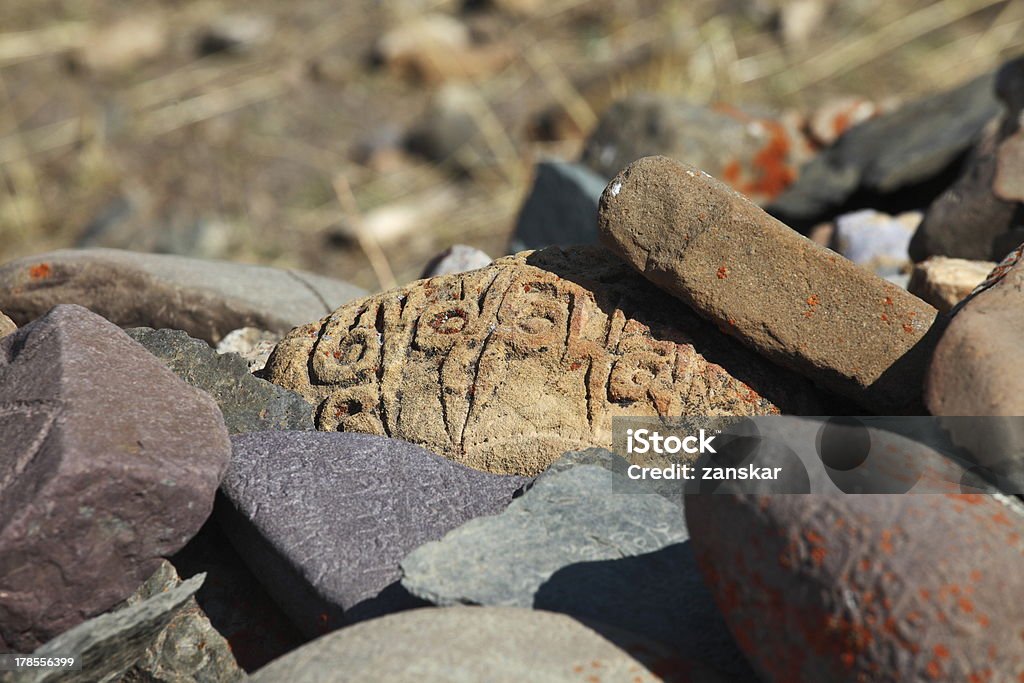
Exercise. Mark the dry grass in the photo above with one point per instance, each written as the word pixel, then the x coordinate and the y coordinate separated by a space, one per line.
pixel 255 141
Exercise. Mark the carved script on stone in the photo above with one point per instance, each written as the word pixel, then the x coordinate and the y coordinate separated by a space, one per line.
pixel 505 368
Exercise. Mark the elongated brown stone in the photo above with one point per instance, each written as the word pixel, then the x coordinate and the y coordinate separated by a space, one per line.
pixel 790 299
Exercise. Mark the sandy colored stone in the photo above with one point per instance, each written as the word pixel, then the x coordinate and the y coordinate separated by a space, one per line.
pixel 881 588
pixel 6 325
pixel 506 368
pixel 790 299
pixel 944 282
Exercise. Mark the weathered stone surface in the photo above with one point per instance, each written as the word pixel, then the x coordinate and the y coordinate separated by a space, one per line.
pixel 758 156
pixel 457 258
pixel 561 208
pixel 252 344
pixel 325 519
pixel 574 544
pixel 109 462
pixel 792 300
pixel 944 282
pixel 112 645
pixel 875 240
pixel 207 299
pixel 506 368
pixel 6 325
pixel 894 151
pixel 867 587
pixel 470 644
pixel 248 404
pixel 972 372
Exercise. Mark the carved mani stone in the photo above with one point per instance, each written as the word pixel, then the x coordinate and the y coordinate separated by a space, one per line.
pixel 505 368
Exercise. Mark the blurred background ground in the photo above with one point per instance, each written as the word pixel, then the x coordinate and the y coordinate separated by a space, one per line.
pixel 277 133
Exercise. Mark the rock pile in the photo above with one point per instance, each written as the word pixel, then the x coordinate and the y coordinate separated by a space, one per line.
pixel 406 453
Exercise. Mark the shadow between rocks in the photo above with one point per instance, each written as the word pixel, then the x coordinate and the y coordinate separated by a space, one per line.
pixel 659 595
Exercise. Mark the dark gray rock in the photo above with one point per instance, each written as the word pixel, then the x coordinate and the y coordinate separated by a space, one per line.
pixel 561 208
pixel 323 519
pixel 234 600
pixel 207 299
pixel 249 404
pixel 457 258
pixel 470 644
pixel 122 645
pixel 756 155
pixel 584 540
pixel 886 154
pixel 109 462
pixel 976 218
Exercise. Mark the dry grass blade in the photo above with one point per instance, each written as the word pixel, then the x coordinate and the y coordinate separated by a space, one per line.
pixel 864 49
pixel 212 104
pixel 367 242
pixel 24 45
pixel 561 88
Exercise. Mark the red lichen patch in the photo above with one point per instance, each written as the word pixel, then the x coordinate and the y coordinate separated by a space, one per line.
pixel 575 365
pixel 731 173
pixel 907 328
pixel 885 318
pixel 813 300
pixel 888 301
pixel 723 273
pixel 40 271
pixel 774 174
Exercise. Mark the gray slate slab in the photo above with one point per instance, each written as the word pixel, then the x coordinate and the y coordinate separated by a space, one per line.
pixel 110 644
pixel 883 155
pixel 159 634
pixel 584 540
pixel 561 208
pixel 207 299
pixel 472 644
pixel 249 404
pixel 323 519
pixel 109 462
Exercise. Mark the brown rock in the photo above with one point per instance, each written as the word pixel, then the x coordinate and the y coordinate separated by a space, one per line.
pixel 781 294
pixel 944 282
pixel 974 371
pixel 880 588
pixel 507 367
pixel 6 325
